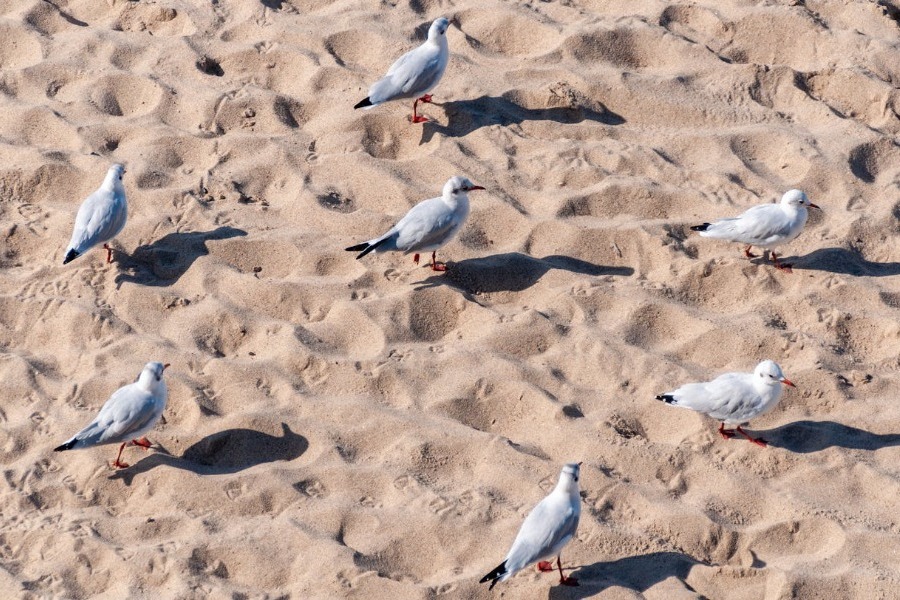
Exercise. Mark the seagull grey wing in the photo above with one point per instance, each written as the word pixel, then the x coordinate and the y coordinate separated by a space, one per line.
pixel 545 531
pixel 421 79
pixel 732 397
pixel 755 226
pixel 428 224
pixel 99 219
pixel 415 72
pixel 127 412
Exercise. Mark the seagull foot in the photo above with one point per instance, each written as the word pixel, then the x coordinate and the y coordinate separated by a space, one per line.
pixel 569 581
pixel 749 254
pixel 544 566
pixel 419 119
pixel 758 441
pixel 143 443
pixel 781 266
pixel 425 98
pixel 118 464
pixel 726 433
pixel 441 267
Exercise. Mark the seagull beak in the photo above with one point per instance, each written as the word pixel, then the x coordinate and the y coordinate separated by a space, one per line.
pixel 811 205
pixel 474 187
pixel 166 366
pixel 787 381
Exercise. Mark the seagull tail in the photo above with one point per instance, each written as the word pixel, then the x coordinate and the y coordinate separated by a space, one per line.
pixel 363 103
pixel 495 575
pixel 667 398
pixel 703 227
pixel 67 446
pixel 70 256
pixel 366 247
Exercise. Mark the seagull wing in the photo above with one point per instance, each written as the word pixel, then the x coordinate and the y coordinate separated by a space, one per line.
pixel 412 74
pixel 546 530
pixel 100 218
pixel 428 224
pixel 128 411
pixel 759 225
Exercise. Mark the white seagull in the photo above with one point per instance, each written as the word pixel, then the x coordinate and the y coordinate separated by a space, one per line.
pixel 428 225
pixel 101 216
pixel 546 530
pixel 733 398
pixel 765 225
pixel 129 413
pixel 414 73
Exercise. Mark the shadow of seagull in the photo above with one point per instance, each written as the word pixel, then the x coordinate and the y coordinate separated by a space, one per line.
pixel 466 116
pixel 636 573
pixel 842 261
pixel 513 272
pixel 804 437
pixel 163 262
pixel 225 452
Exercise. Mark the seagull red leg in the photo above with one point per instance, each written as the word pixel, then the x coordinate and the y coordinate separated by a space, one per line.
pixel 780 265
pixel 562 578
pixel 725 433
pixel 435 266
pixel 758 441
pixel 416 258
pixel 747 252
pixel 108 253
pixel 118 464
pixel 416 118
pixel 544 566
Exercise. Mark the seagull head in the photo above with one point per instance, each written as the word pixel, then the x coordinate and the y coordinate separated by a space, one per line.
pixel 770 373
pixel 438 29
pixel 459 185
pixel 796 198
pixel 568 478
pixel 151 376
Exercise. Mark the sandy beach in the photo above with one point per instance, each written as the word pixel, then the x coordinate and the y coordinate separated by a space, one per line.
pixel 341 428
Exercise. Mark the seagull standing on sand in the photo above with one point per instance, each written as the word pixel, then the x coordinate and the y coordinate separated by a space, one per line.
pixel 414 73
pixel 129 413
pixel 428 225
pixel 733 398
pixel 546 530
pixel 765 225
pixel 101 216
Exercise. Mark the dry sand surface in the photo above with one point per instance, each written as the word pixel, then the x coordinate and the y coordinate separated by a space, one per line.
pixel 367 429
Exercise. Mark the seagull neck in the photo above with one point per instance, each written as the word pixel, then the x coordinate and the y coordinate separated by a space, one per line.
pixel 454 201
pixel 111 182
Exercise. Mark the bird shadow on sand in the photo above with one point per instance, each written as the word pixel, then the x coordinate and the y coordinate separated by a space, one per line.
pixel 805 437
pixel 163 262
pixel 637 573
pixel 512 272
pixel 222 453
pixel 842 261
pixel 466 116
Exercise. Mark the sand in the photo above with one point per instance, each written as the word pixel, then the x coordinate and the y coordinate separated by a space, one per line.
pixel 368 429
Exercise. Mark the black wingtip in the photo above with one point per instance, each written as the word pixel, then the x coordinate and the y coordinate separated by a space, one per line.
pixel 667 398
pixel 363 103
pixel 70 256
pixel 703 227
pixel 67 446
pixel 494 575
pixel 357 247
pixel 366 247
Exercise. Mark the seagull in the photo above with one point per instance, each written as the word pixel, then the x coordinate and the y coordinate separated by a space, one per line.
pixel 414 73
pixel 101 216
pixel 765 225
pixel 546 530
pixel 129 413
pixel 733 398
pixel 428 225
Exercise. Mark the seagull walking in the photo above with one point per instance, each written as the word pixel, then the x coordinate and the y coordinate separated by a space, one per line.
pixel 428 226
pixel 101 216
pixel 415 73
pixel 128 415
pixel 546 530
pixel 733 398
pixel 765 225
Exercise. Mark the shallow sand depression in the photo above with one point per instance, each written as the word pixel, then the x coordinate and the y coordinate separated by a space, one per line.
pixel 369 429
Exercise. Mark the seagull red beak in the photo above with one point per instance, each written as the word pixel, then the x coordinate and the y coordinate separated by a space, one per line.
pixel 788 382
pixel 166 366
pixel 474 187
pixel 811 205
